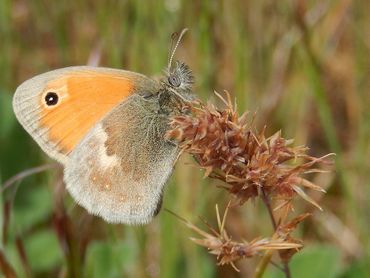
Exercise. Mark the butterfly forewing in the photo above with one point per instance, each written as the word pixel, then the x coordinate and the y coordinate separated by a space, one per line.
pixel 59 107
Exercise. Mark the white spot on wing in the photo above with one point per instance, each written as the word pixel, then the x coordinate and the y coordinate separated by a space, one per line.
pixel 105 160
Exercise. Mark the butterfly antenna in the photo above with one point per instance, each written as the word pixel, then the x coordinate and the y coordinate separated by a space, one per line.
pixel 173 49
pixel 172 46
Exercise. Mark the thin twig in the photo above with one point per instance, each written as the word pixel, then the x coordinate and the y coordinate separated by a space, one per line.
pixel 276 265
pixel 26 173
pixel 264 262
pixel 5 266
pixel 266 201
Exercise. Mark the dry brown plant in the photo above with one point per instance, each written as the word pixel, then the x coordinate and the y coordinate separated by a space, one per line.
pixel 250 165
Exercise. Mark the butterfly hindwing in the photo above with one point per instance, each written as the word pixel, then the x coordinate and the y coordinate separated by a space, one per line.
pixel 119 169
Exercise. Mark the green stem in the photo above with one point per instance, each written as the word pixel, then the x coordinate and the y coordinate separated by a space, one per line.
pixel 262 265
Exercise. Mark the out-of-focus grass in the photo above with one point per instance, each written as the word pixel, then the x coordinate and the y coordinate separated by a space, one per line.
pixel 314 85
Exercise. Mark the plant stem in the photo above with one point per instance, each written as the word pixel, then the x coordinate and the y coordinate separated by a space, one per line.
pixel 266 201
pixel 267 257
pixel 5 267
pixel 261 267
pixel 287 270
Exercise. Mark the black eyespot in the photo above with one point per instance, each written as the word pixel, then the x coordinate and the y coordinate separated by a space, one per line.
pixel 51 99
pixel 174 80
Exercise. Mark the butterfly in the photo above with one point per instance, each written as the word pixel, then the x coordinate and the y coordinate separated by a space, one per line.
pixel 107 128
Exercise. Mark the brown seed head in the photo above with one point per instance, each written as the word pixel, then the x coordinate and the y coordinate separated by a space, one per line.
pixel 228 147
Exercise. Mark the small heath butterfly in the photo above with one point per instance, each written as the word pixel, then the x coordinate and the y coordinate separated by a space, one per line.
pixel 107 127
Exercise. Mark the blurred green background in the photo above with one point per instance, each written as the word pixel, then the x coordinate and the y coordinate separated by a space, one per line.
pixel 304 66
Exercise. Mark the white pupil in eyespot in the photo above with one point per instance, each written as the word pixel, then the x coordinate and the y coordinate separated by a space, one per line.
pixel 51 98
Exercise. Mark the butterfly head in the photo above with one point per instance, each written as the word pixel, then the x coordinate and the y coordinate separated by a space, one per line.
pixel 179 80
pixel 178 77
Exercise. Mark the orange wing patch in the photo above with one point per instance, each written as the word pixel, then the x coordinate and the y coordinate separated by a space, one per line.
pixel 84 99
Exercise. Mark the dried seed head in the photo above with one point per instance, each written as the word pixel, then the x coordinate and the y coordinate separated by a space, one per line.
pixel 228 251
pixel 229 149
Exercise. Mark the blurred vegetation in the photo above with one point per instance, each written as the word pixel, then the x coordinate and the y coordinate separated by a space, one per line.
pixel 303 65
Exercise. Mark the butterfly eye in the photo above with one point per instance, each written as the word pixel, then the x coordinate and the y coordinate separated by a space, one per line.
pixel 51 99
pixel 174 80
